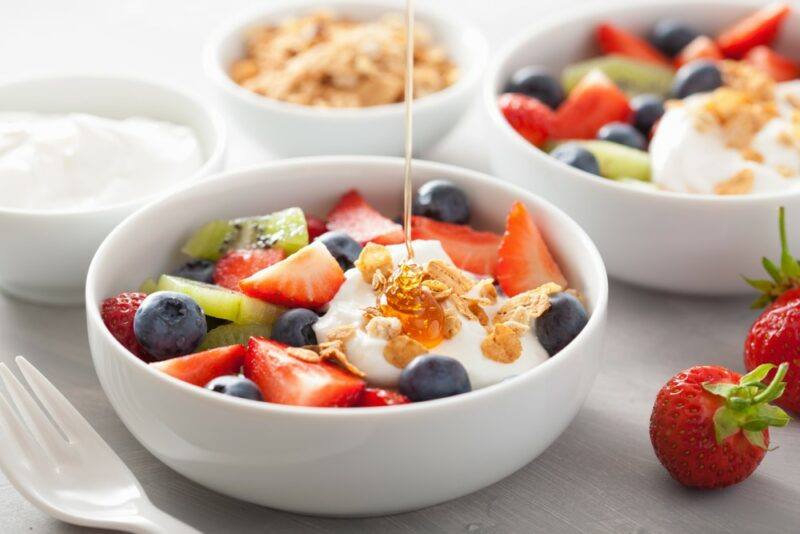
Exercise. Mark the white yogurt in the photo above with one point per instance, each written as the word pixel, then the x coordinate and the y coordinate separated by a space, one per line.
pixel 366 351
pixel 78 161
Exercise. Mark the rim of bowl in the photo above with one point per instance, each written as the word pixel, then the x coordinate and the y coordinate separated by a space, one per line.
pixel 561 220
pixel 498 63
pixel 211 159
pixel 217 73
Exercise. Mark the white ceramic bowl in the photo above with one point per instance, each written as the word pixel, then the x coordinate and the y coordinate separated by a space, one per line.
pixel 295 130
pixel 698 244
pixel 343 462
pixel 46 253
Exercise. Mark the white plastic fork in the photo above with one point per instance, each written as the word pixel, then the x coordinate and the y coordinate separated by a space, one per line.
pixel 63 467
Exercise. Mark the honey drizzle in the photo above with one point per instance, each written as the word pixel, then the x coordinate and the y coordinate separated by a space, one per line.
pixel 408 103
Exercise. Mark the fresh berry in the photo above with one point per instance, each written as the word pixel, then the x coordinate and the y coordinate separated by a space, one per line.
pixel 442 200
pixel 537 83
pixel 118 313
pixel 699 76
pixel 709 426
pixel 701 48
pixel 169 324
pixel 342 247
pixel 353 216
pixel 296 328
pixel 236 386
pixel 615 40
pixel 433 377
pixel 531 119
pixel 759 28
pixel 623 134
pixel 381 397
pixel 671 36
pixel 237 265
pixel 200 368
pixel 575 155
pixel 595 101
pixel 780 68
pixel 284 379
pixel 199 270
pixel 316 227
pixel 469 249
pixel 524 261
pixel 647 110
pixel 561 323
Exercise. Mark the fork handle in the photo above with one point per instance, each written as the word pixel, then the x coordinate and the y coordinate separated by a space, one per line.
pixel 151 520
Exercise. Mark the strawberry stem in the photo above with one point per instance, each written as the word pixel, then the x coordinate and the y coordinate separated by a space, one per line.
pixel 776 385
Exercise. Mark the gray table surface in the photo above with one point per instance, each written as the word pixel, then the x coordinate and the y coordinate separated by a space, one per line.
pixel 599 476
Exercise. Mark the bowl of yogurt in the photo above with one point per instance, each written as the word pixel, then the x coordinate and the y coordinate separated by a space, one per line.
pixel 77 155
pixel 698 210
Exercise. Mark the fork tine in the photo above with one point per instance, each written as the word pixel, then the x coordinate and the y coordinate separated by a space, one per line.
pixel 19 439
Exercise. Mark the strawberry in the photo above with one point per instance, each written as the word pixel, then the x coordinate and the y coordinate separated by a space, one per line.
pixel 593 103
pixel 701 47
pixel 362 222
pixel 781 68
pixel 615 40
pixel 200 368
pixel 316 227
pixel 284 379
pixel 709 426
pixel 117 313
pixel 760 28
pixel 237 265
pixel 381 397
pixel 524 261
pixel 531 119
pixel 469 249
pixel 308 278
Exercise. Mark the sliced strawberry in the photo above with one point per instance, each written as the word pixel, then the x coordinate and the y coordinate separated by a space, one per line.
pixel 308 278
pixel 469 249
pixel 316 227
pixel 701 47
pixel 528 116
pixel 362 222
pixel 615 40
pixel 381 397
pixel 237 265
pixel 593 103
pixel 759 28
pixel 284 379
pixel 524 261
pixel 781 68
pixel 200 368
pixel 117 313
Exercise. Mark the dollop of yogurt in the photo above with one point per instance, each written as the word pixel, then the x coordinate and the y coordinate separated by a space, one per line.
pixel 366 351
pixel 78 161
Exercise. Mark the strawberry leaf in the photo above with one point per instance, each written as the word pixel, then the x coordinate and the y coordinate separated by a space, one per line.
pixel 756 438
pixel 723 389
pixel 756 375
pixel 725 424
pixel 773 415
pixel 784 278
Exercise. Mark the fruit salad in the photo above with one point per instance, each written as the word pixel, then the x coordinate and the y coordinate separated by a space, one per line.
pixel 678 110
pixel 292 309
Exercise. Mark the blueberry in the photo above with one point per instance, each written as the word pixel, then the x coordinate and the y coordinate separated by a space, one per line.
pixel 577 156
pixel 622 133
pixel 559 325
pixel 295 328
pixel 169 324
pixel 647 109
pixel 537 83
pixel 433 377
pixel 443 201
pixel 671 36
pixel 235 386
pixel 342 247
pixel 200 270
pixel 699 76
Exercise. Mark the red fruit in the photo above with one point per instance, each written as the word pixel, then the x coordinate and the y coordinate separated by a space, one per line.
pixel 201 368
pixel 239 264
pixel 760 28
pixel 709 425
pixel 593 103
pixel 469 249
pixel 284 379
pixel 316 227
pixel 308 278
pixel 615 40
pixel 700 48
pixel 780 68
pixel 381 397
pixel 531 119
pixel 117 313
pixel 524 261
pixel 362 222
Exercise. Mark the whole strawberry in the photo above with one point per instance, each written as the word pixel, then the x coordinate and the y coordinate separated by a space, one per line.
pixel 117 313
pixel 709 426
pixel 531 119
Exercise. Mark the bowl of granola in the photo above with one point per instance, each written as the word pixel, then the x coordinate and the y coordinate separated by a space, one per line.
pixel 327 77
